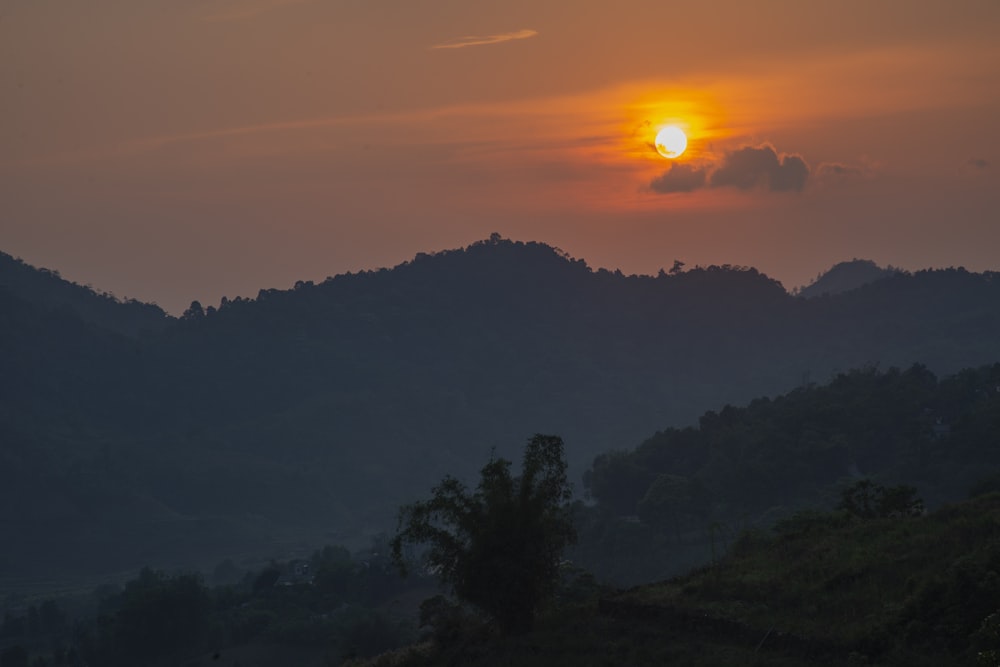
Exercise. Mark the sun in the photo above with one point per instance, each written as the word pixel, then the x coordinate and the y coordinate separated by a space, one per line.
pixel 671 142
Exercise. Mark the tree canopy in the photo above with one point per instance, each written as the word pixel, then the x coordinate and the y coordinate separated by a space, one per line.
pixel 499 547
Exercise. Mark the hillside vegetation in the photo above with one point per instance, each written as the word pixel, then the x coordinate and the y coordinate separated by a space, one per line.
pixel 821 589
pixel 684 493
pixel 47 290
pixel 268 425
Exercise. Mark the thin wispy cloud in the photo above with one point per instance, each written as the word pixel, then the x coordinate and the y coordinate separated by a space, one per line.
pixel 481 40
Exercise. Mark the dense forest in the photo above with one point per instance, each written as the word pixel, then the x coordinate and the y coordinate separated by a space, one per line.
pixel 165 482
pixel 262 427
pixel 684 493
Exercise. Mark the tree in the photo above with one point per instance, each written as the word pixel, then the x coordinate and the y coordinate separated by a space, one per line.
pixel 618 481
pixel 194 312
pixel 160 616
pixel 498 548
pixel 14 656
pixel 868 500
pixel 669 500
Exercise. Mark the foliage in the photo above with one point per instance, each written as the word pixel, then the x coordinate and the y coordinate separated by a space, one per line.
pixel 156 616
pixel 14 656
pixel 670 502
pixel 806 521
pixel 333 603
pixel 988 484
pixel 499 547
pixel 988 641
pixel 753 465
pixel 445 619
pixel 868 500
pixel 916 592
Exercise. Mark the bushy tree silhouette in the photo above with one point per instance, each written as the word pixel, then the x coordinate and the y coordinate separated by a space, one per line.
pixel 499 547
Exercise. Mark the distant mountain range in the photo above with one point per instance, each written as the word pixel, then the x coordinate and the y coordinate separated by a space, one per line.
pixel 128 437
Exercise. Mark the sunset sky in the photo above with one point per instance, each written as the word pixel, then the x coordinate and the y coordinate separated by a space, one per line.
pixel 171 150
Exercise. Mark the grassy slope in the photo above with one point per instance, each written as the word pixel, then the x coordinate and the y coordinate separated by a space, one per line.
pixel 830 591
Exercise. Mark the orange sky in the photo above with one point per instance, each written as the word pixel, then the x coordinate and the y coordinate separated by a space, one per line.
pixel 171 151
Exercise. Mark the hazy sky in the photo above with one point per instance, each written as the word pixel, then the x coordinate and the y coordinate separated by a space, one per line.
pixel 171 150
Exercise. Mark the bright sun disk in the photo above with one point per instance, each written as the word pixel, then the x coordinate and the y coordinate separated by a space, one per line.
pixel 671 142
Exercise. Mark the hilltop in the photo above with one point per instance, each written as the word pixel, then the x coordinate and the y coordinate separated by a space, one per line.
pixel 846 276
pixel 264 426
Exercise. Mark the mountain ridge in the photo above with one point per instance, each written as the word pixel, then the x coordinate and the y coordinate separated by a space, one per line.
pixel 324 407
pixel 48 289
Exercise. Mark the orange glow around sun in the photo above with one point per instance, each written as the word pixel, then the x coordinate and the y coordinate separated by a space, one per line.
pixel 674 123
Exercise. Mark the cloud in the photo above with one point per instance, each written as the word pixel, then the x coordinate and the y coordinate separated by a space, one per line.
pixel 746 168
pixel 979 163
pixel 479 40
pixel 679 178
pixel 750 167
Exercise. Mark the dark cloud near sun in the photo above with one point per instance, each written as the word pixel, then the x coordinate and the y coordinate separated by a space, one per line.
pixel 679 178
pixel 750 167
pixel 746 168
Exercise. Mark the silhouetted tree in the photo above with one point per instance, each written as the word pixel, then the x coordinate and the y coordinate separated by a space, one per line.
pixel 668 502
pixel 194 311
pixel 159 617
pixel 14 656
pixel 498 548
pixel 868 500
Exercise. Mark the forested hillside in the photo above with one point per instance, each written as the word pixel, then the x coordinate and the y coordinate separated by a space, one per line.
pixel 47 290
pixel 262 424
pixel 683 492
pixel 826 589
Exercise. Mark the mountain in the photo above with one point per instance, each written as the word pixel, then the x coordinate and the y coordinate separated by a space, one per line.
pixel 49 291
pixel 844 277
pixel 311 414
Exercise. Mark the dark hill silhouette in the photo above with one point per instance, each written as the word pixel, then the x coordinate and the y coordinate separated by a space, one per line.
pixel 844 277
pixel 48 290
pixel 322 408
pixel 747 466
